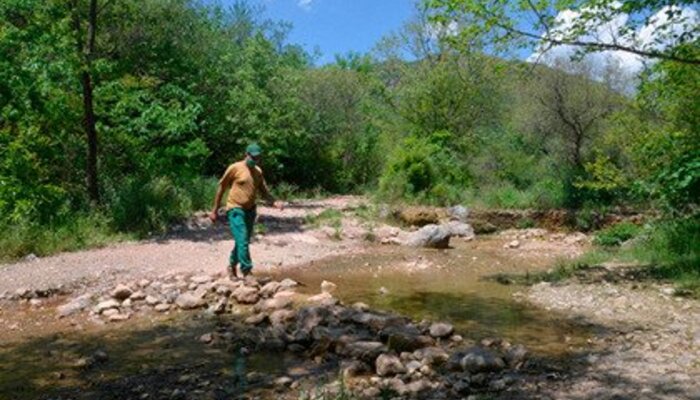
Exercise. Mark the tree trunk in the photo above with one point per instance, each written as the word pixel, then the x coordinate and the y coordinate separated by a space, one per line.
pixel 86 51
pixel 91 135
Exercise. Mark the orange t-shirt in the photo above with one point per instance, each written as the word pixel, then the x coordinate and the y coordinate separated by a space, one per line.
pixel 243 183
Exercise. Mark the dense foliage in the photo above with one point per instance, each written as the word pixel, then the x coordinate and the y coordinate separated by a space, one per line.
pixel 180 87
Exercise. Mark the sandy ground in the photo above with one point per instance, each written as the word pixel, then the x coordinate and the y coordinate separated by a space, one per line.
pixel 202 249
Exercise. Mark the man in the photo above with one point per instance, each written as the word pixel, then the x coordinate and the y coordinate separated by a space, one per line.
pixel 244 180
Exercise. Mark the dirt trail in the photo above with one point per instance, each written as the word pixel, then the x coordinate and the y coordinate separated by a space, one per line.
pixel 204 250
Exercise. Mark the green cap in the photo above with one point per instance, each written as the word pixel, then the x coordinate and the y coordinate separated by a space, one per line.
pixel 253 149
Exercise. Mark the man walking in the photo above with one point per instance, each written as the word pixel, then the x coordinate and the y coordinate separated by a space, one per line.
pixel 244 180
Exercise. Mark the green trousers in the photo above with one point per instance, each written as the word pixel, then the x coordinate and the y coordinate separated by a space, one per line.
pixel 241 223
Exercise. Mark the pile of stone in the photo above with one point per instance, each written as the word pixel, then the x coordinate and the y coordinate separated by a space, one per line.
pixel 375 351
pixel 181 292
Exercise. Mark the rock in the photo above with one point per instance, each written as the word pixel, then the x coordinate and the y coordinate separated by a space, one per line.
pixel 288 284
pixel 246 295
pixel 24 293
pixel 281 317
pixel 276 303
pixel 162 307
pixel 269 289
pixel 353 368
pixel 478 359
pixel 256 319
pixel 431 355
pixel 514 244
pixel 219 307
pixel 118 317
pixel 283 381
pixel 152 300
pixel 109 312
pixel 441 330
pixel 516 355
pixel 408 342
pixel 361 350
pixel 106 305
pixel 74 306
pixel 121 292
pixel 206 338
pixel 100 356
pixel 126 303
pixel 143 283
pixel 189 301
pixel 431 236
pixel 416 387
pixel 460 229
pixel 323 299
pixel 388 365
pixel 309 318
pixel 413 366
pixel 458 213
pixel 201 279
pixel 360 307
pixel 377 322
pixel 383 291
pixel 138 296
pixel 328 287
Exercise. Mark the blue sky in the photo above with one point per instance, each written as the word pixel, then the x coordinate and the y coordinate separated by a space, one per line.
pixel 339 26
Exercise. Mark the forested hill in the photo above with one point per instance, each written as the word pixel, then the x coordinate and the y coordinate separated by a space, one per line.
pixel 117 115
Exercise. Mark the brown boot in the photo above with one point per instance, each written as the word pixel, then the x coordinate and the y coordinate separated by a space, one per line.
pixel 232 274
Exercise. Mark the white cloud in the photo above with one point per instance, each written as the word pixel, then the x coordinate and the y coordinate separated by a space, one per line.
pixel 646 37
pixel 305 4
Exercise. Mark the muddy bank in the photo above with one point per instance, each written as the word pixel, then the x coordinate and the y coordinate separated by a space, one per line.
pixel 494 220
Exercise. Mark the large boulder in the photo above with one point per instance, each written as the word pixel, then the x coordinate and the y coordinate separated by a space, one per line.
pixel 460 229
pixel 431 236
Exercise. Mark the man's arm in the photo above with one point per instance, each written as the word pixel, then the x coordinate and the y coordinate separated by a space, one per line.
pixel 269 198
pixel 223 183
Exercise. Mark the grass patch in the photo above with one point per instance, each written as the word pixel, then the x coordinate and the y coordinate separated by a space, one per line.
pixel 616 234
pixel 82 231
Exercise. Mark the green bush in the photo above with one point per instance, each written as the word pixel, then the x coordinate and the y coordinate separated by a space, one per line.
pixel 81 231
pixel 424 169
pixel 147 207
pixel 616 234
pixel 671 248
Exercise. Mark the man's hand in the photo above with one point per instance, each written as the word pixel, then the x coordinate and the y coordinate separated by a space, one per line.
pixel 213 215
pixel 278 205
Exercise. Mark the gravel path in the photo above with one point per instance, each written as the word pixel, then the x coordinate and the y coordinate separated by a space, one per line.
pixel 200 249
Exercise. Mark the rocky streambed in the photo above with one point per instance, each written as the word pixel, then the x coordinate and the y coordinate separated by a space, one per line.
pixel 353 349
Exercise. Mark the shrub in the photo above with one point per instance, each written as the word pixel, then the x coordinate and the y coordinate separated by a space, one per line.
pixel 616 234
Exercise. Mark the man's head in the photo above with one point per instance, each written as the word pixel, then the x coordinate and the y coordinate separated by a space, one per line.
pixel 252 152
